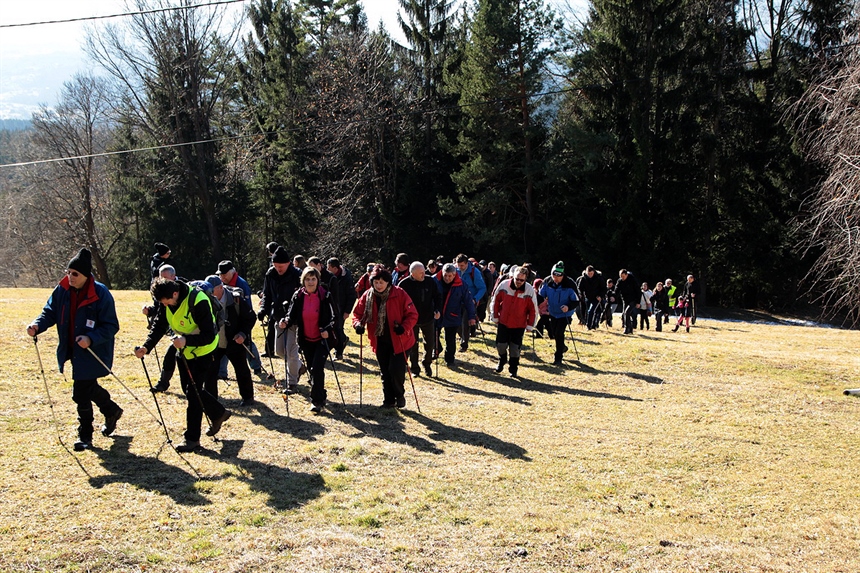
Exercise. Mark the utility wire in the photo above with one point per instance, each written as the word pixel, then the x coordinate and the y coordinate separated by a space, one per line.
pixel 153 11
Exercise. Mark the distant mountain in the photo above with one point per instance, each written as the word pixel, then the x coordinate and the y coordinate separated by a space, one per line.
pixel 15 124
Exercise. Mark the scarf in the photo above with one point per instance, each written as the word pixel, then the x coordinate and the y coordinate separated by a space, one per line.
pixel 381 302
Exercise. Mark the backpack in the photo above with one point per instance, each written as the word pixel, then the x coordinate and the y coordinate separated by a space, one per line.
pixel 217 309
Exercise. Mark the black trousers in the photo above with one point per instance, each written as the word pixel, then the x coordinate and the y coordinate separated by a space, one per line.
pixel 450 341
pixel 84 394
pixel 392 367
pixel 197 387
pixel 238 357
pixel 168 366
pixel 558 331
pixel 315 354
pixel 509 337
pixel 428 332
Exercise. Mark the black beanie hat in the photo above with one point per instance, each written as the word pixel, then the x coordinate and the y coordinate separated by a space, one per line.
pixel 281 256
pixel 82 262
pixel 162 249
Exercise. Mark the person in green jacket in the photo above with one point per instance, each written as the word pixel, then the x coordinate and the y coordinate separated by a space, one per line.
pixel 673 299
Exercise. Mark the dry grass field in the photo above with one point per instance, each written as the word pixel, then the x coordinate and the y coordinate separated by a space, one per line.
pixel 730 448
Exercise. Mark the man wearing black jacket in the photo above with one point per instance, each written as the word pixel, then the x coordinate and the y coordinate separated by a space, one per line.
pixel 344 297
pixel 426 295
pixel 281 281
pixel 239 319
pixel 628 290
pixel 592 288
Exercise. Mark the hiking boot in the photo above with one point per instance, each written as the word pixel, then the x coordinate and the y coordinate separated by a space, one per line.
pixel 464 347
pixel 515 363
pixel 401 402
pixel 247 402
pixel 110 422
pixel 387 406
pixel 676 328
pixel 162 386
pixel 82 445
pixel 339 355
pixel 258 371
pixel 688 329
pixel 217 422
pixel 186 446
pixel 428 371
pixel 302 370
pixel 317 408
pixel 502 361
pixel 558 361
pixel 416 371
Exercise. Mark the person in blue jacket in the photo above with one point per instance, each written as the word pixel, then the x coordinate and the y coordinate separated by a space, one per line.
pixel 85 315
pixel 458 310
pixel 559 290
pixel 474 281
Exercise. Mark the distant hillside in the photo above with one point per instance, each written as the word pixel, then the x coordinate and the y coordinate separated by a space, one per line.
pixel 15 124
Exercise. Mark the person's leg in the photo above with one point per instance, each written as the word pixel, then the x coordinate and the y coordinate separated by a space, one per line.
pixel 413 352
pixel 81 397
pixel 254 361
pixel 294 362
pixel 658 320
pixel 168 367
pixel 464 333
pixel 384 354
pixel 222 367
pixel 559 332
pixel 397 377
pixel 428 333
pixel 515 337
pixel 341 336
pixel 502 338
pixel 316 354
pixel 239 359
pixel 450 343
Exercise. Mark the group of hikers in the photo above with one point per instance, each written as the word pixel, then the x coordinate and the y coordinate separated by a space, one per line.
pixel 304 306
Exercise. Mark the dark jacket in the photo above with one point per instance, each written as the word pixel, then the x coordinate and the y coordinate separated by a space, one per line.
pixel 156 262
pixel 345 295
pixel 592 287
pixel 278 290
pixel 201 312
pixel 327 312
pixel 628 290
pixel 95 317
pixel 456 303
pixel 240 316
pixel 692 288
pixel 660 300
pixel 426 295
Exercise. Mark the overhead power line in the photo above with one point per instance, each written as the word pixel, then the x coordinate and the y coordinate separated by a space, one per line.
pixel 153 11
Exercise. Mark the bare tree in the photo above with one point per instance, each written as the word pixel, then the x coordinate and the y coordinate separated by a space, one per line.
pixel 831 225
pixel 69 201
pixel 175 67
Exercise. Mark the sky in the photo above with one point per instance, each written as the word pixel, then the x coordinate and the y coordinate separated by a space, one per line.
pixel 36 60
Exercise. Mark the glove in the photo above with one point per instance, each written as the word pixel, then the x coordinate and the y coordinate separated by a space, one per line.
pixel 398 329
pixel 261 315
pixel 359 329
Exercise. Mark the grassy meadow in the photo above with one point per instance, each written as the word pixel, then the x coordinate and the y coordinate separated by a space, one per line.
pixel 730 448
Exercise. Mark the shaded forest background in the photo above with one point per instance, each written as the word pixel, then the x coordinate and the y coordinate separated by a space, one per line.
pixel 664 136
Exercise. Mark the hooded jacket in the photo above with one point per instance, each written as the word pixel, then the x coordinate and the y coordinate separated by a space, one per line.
pixel 456 303
pixel 558 295
pixel 399 310
pixel 473 278
pixel 95 317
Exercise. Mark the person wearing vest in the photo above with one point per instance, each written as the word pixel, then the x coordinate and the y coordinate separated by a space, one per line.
pixel 188 312
pixel 85 315
pixel 671 290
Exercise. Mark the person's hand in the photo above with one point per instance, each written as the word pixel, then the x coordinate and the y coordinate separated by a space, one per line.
pixel 324 333
pixel 32 330
pixel 178 342
pixel 637 306
pixel 359 329
pixel 261 315
pixel 564 308
pixel 473 322
pixel 139 351
pixel 239 338
pixel 345 315
pixel 283 323
pixel 398 329
pixel 436 315
pixel 83 341
pixel 494 320
pixel 530 328
pixel 145 310
pixel 599 299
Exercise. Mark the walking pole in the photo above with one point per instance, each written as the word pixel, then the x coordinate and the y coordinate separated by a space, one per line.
pixel 483 334
pixel 692 298
pixel 148 411
pixel 157 407
pixel 438 342
pixel 569 329
pixel 325 342
pixel 417 405
pixel 251 354
pixel 286 392
pixel 269 375
pixel 48 392
pixel 360 368
pixel 149 321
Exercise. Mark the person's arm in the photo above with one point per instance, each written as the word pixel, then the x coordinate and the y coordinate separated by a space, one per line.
pixel 107 323
pixel 159 328
pixel 47 318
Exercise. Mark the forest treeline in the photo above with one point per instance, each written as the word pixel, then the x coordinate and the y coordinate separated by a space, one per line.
pixel 657 135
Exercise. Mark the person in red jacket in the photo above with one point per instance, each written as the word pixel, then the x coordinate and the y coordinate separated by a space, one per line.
pixel 389 316
pixel 515 310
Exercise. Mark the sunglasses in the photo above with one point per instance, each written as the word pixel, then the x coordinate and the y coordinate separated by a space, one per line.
pixel 519 280
pixel 75 274
pixel 557 274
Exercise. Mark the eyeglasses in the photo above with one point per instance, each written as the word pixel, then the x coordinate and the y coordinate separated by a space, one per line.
pixel 519 280
pixel 555 274
pixel 72 273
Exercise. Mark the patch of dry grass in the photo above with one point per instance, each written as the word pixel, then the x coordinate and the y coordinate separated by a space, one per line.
pixel 727 449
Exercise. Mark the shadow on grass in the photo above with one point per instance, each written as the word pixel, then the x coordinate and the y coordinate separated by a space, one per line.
pixel 381 423
pixel 441 431
pixel 285 489
pixel 262 415
pixel 146 473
